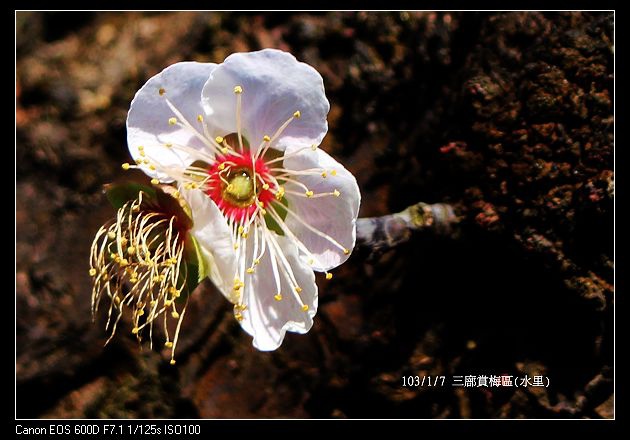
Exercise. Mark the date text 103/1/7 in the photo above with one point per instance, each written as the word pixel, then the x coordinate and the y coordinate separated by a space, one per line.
pixel 421 381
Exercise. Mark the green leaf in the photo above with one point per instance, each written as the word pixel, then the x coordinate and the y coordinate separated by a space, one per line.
pixel 196 269
pixel 120 193
pixel 282 212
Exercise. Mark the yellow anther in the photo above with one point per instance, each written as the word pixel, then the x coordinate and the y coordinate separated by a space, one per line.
pixel 238 89
pixel 298 289
pixel 265 186
pixel 131 250
pixel 263 211
pixel 105 277
pixel 333 172
pixel 250 270
pixel 225 150
pixel 92 272
pixel 168 303
pixel 172 121
pixel 155 182
pixel 176 194
pixel 336 193
pixel 111 235
pixel 140 147
pixel 200 118
pixel 309 193
pixel 311 261
pixel 135 208
pixel 143 154
pixel 168 344
pixel 133 280
pixel 162 277
pixel 257 261
pixel 238 316
pixel 218 139
pixel 313 147
pixel 297 114
pixel 244 235
pixel 193 185
pixel 346 251
pixel 235 246
pixel 124 262
pixel 324 175
pixel 173 362
pixel 266 138
pixel 152 167
pixel 305 307
pixel 240 229
pixel 140 312
pixel 278 297
pixel 123 241
pixel 125 166
pixel 221 166
pixel 135 330
pixel 161 91
pixel 152 302
pixel 328 276
pixel 168 145
pixel 175 315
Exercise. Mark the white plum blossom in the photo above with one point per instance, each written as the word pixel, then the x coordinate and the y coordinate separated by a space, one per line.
pixel 240 139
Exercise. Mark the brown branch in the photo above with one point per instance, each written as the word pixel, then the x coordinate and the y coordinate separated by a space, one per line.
pixel 383 233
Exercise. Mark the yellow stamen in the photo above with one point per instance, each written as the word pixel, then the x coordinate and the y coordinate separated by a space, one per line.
pixel 155 182
pixel 238 89
pixel 297 114
pixel 305 307
pixel 172 121
pixel 278 297
pixel 329 276
pixel 161 91
pixel 125 166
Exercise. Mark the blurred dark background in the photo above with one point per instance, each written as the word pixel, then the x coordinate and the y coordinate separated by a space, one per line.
pixel 506 116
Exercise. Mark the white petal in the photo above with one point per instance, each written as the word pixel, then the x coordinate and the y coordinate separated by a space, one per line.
pixel 148 119
pixel 333 216
pixel 213 235
pixel 275 86
pixel 267 319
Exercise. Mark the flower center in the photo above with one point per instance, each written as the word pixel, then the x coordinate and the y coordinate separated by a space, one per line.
pixel 240 185
pixel 240 188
